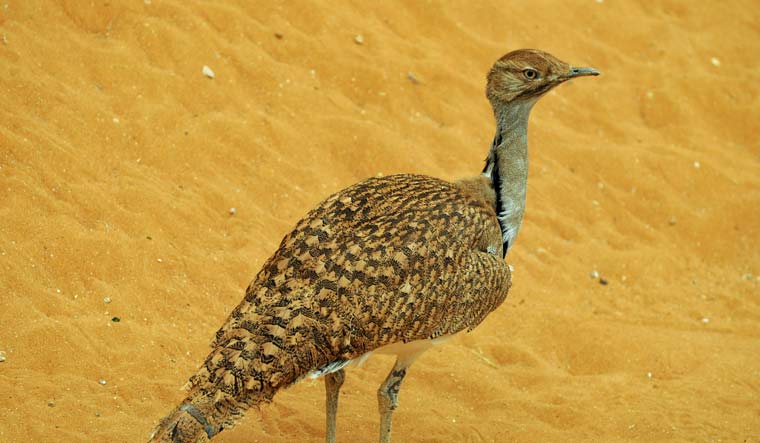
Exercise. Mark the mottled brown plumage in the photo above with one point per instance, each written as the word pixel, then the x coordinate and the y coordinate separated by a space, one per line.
pixel 391 260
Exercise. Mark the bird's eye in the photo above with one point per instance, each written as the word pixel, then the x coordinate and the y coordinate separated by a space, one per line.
pixel 530 73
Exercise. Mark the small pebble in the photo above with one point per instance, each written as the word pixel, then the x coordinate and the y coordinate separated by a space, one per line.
pixel 672 221
pixel 232 211
pixel 747 276
pixel 715 62
pixel 208 72
pixel 106 300
pixel 412 77
pixel 278 35
pixel 511 268
pixel 603 281
pixel 102 382
pixel 649 375
pixel 97 413
pixel 359 39
pixel 51 403
pixel 696 165
pixel 159 260
pixel 594 274
pixel 2 356
pixel 705 320
pixel 115 319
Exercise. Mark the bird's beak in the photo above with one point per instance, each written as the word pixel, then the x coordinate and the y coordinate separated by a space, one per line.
pixel 580 72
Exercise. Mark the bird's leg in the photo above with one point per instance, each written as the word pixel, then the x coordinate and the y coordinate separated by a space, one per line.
pixel 333 382
pixel 387 394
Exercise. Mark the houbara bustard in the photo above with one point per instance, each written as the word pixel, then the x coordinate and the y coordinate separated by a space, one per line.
pixel 390 265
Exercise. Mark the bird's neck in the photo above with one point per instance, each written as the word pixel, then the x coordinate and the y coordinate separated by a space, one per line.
pixel 507 167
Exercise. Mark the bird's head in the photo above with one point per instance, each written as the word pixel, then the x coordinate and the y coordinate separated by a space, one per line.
pixel 525 75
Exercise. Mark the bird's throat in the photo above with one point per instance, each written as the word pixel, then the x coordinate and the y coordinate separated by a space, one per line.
pixel 507 166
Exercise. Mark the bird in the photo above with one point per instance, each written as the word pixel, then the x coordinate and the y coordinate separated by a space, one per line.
pixel 393 264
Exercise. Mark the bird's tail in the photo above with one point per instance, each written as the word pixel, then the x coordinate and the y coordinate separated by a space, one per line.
pixel 248 365
pixel 262 348
pixel 210 407
pixel 217 399
pixel 194 420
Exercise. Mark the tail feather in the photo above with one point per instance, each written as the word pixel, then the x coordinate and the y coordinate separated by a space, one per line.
pixel 261 349
pixel 243 370
pixel 192 421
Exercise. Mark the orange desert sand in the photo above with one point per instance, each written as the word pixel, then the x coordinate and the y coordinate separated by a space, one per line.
pixel 120 161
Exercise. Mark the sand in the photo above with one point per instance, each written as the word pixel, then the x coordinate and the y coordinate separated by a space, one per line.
pixel 120 161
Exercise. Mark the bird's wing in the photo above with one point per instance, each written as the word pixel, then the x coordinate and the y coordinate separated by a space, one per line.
pixel 395 258
pixel 390 259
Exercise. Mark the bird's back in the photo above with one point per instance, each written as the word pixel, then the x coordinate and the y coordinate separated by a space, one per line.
pixel 391 259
